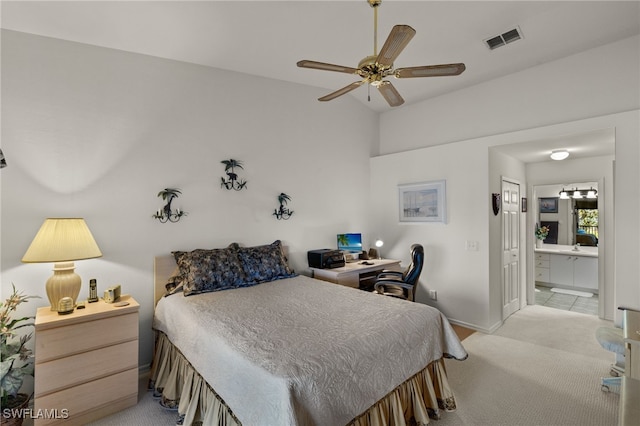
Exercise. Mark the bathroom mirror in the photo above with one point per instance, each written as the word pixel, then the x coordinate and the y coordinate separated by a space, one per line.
pixel 571 220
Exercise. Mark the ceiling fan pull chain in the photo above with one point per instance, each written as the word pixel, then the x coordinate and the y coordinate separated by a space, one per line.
pixel 368 93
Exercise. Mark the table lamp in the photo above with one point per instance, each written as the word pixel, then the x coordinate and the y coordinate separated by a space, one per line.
pixel 62 240
pixel 374 253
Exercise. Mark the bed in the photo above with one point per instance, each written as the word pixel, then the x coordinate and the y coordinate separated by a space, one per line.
pixel 277 348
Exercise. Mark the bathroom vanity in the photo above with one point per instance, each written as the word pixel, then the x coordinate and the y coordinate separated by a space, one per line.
pixel 567 267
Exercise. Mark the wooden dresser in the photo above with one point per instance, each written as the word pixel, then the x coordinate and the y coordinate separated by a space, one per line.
pixel 86 362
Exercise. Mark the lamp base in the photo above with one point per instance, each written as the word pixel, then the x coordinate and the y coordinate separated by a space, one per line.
pixel 63 283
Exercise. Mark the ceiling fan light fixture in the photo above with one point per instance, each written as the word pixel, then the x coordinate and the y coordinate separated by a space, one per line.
pixel 375 68
pixel 559 154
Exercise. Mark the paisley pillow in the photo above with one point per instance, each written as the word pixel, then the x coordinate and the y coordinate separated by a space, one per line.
pixel 202 271
pixel 264 263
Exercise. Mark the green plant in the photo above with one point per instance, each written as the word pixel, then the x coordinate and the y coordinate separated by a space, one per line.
pixel 17 359
pixel 542 232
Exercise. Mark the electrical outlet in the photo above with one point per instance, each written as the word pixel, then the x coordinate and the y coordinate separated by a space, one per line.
pixel 433 295
pixel 471 245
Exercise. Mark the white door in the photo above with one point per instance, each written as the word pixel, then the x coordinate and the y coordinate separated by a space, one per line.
pixel 510 248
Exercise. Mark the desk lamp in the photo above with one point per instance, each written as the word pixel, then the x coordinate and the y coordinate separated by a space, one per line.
pixel 62 241
pixel 374 253
pixel 379 244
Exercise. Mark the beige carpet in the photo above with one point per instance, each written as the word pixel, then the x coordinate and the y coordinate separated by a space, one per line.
pixel 542 367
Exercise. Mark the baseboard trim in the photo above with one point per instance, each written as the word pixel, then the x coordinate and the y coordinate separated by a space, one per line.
pixel 475 327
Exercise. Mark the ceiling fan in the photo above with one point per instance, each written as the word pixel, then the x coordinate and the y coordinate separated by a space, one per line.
pixel 375 68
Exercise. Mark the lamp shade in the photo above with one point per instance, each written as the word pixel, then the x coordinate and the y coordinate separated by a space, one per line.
pixel 62 240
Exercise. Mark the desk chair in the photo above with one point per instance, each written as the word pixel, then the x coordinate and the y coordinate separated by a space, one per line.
pixel 402 284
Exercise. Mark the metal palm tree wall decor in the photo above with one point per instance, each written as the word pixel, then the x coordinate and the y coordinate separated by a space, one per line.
pixel 282 212
pixel 166 214
pixel 232 181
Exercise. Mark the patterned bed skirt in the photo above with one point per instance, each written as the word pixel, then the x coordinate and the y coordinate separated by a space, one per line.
pixel 180 387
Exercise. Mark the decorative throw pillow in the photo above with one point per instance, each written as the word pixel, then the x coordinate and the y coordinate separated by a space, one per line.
pixel 264 263
pixel 203 271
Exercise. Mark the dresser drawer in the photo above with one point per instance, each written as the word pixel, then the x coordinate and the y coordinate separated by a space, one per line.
pixel 72 339
pixel 542 263
pixel 542 275
pixel 66 372
pixel 542 256
pixel 85 402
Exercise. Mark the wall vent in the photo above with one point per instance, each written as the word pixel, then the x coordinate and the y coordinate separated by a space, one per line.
pixel 504 38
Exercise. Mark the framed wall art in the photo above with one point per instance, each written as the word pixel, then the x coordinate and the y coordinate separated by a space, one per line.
pixel 423 202
pixel 549 205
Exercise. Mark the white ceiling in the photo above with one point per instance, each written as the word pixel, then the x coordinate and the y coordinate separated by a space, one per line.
pixel 267 38
pixel 579 145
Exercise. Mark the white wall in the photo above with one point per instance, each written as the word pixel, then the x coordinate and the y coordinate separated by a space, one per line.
pixel 593 83
pixel 503 166
pixel 468 283
pixel 97 133
pixel 519 108
pixel 459 277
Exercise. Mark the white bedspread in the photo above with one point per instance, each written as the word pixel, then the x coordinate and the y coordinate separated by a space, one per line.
pixel 300 351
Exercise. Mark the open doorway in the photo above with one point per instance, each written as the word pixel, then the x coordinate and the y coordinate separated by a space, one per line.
pixel 566 259
pixel 591 159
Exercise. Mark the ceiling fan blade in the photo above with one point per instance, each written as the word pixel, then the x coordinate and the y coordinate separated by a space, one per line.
pixel 430 71
pixel 342 91
pixel 390 94
pixel 326 67
pixel 398 39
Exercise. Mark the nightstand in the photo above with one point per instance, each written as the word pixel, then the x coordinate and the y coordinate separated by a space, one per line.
pixel 86 362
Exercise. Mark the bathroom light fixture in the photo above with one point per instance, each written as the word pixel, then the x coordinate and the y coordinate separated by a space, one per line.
pixel 578 193
pixel 559 154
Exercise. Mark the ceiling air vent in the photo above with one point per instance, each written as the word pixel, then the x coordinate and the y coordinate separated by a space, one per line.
pixel 504 38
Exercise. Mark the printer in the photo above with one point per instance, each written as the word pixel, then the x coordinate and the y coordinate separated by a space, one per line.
pixel 325 258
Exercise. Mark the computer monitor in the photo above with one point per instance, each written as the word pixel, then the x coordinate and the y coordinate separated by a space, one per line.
pixel 351 243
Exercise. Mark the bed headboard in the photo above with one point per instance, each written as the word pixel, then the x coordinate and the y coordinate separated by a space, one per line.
pixel 164 268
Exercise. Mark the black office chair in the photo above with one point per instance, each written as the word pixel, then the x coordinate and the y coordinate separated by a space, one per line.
pixel 402 284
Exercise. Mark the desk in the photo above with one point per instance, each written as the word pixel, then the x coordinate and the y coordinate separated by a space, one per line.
pixel 355 274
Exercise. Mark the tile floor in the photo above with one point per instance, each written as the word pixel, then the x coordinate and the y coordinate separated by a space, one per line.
pixel 567 302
